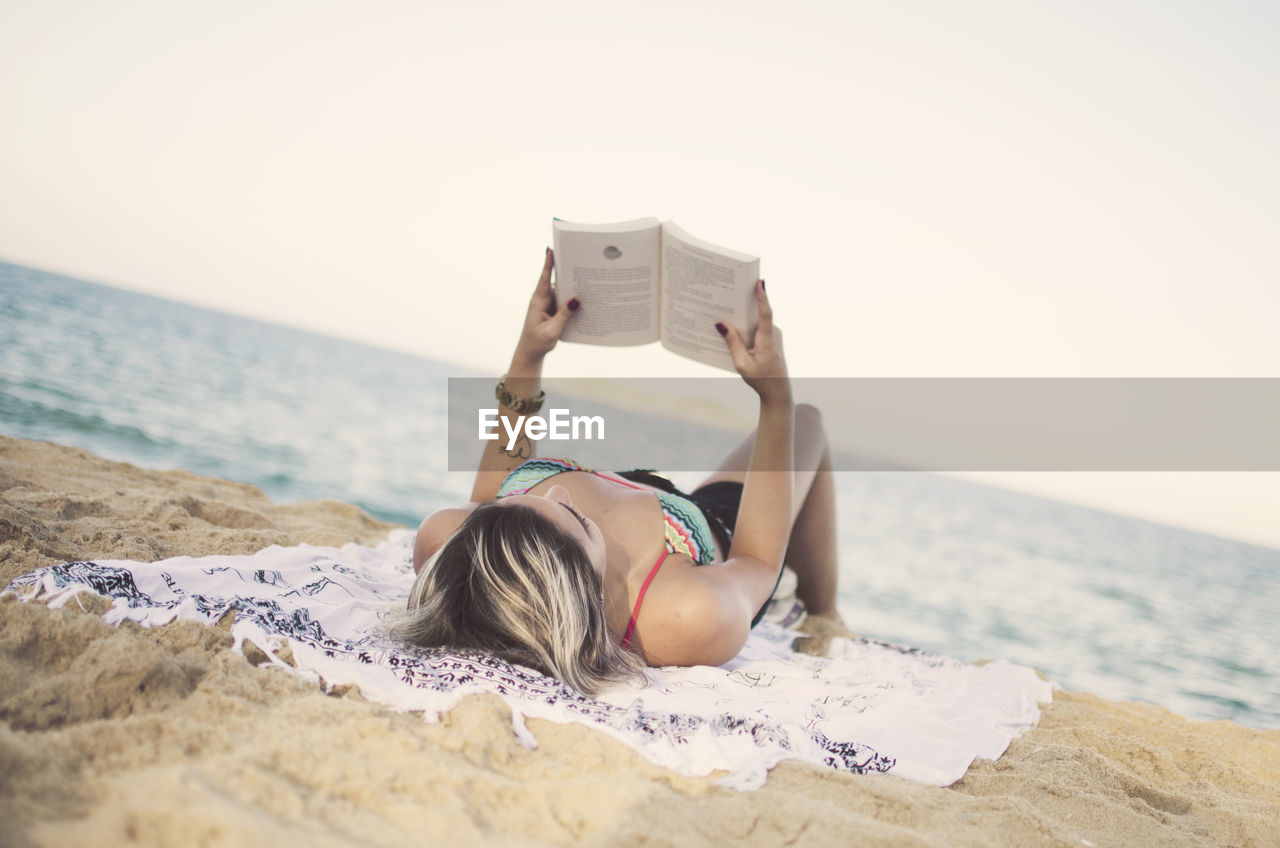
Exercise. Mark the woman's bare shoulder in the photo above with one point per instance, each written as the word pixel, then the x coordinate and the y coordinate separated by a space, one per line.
pixel 692 616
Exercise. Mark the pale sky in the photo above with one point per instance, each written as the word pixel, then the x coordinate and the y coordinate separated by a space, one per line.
pixel 934 189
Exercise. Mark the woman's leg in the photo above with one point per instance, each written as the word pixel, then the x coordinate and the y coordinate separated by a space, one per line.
pixel 811 549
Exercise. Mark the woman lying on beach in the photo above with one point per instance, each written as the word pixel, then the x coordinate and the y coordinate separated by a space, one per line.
pixel 589 576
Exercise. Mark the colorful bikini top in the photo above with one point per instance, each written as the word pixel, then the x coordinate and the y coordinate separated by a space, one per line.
pixel 686 528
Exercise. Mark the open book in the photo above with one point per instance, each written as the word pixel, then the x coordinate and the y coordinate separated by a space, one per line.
pixel 646 281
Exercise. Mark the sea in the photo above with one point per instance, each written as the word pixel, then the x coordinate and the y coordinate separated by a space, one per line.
pixel 1124 608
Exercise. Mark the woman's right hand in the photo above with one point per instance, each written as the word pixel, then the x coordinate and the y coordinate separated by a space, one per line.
pixel 544 320
pixel 762 366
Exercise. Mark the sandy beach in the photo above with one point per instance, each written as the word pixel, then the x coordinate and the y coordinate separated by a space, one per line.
pixel 167 737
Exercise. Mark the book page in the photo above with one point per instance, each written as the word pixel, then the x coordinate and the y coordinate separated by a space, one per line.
pixel 703 284
pixel 614 270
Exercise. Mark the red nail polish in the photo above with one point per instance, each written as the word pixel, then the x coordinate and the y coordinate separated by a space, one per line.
pixel 574 304
pixel 722 329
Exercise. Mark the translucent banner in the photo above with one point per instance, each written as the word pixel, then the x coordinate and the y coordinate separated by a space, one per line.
pixel 883 424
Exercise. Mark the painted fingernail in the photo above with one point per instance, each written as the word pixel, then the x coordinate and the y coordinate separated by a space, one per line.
pixel 761 284
pixel 574 304
pixel 722 329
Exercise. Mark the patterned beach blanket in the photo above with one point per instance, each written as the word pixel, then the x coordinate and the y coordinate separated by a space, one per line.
pixel 867 707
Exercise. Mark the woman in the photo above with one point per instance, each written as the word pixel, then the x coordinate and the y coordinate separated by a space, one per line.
pixel 589 576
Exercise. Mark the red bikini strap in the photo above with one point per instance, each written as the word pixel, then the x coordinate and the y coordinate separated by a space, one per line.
pixel 621 481
pixel 653 572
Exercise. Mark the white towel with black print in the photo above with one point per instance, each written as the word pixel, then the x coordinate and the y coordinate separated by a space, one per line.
pixel 867 707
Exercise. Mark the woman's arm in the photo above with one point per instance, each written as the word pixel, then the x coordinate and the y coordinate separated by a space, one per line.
pixel 543 326
pixel 764 515
pixel 708 615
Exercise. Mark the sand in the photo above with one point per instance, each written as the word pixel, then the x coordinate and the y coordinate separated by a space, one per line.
pixel 166 737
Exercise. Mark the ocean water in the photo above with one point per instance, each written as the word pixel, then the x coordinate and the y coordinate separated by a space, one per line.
pixel 1124 608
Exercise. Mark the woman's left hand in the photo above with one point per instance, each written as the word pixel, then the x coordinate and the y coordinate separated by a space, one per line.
pixel 544 323
pixel 762 366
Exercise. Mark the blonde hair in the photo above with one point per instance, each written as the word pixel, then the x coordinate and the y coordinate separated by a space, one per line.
pixel 511 583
